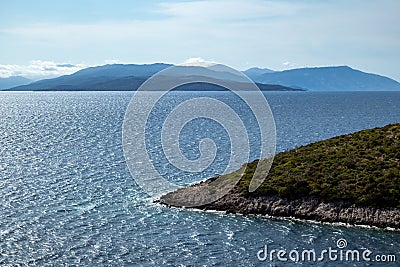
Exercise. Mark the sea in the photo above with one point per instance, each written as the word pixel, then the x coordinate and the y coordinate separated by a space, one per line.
pixel 67 197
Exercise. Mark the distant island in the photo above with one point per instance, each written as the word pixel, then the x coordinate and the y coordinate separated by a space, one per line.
pixel 353 178
pixel 325 79
pixel 13 81
pixel 129 77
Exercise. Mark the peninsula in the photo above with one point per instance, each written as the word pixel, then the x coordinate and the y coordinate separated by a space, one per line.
pixel 353 178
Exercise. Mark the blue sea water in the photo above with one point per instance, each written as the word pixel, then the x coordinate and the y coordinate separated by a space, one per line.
pixel 67 197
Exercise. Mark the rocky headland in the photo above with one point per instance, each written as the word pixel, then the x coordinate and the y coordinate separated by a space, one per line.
pixel 352 179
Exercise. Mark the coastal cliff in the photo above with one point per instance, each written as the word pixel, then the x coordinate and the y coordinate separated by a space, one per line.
pixel 353 179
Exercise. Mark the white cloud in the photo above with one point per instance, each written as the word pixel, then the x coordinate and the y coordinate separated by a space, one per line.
pixel 197 61
pixel 224 10
pixel 290 65
pixel 112 61
pixel 38 69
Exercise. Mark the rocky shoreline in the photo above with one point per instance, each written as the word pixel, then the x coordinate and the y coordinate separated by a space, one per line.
pixel 352 179
pixel 305 209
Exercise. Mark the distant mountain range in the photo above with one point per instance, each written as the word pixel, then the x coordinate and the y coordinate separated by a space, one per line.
pixel 128 77
pixel 97 78
pixel 13 81
pixel 340 78
pixel 254 73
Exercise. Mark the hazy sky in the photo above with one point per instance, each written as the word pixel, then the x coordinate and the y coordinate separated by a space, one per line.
pixel 46 37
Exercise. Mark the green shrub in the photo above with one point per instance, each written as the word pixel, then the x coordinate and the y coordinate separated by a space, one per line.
pixel 362 168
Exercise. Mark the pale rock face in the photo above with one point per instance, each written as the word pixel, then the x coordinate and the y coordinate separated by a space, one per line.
pixel 309 209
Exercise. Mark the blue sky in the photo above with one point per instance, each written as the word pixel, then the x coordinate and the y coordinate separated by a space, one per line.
pixel 38 38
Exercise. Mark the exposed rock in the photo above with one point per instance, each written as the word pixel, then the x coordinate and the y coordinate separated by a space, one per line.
pixel 310 209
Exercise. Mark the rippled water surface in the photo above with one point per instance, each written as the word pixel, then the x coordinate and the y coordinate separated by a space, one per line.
pixel 67 197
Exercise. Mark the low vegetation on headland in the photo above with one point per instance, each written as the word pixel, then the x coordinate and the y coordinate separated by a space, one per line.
pixel 361 168
pixel 353 178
